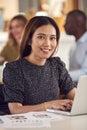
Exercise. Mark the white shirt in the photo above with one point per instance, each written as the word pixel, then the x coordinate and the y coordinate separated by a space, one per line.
pixel 78 58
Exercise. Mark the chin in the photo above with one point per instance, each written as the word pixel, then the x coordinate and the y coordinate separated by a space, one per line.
pixel 46 57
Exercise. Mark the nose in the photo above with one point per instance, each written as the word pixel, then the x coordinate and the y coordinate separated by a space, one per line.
pixel 47 42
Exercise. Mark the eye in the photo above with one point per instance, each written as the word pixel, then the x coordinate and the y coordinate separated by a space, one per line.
pixel 53 38
pixel 41 37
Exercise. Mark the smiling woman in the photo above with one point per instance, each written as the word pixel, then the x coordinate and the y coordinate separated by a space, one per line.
pixel 32 82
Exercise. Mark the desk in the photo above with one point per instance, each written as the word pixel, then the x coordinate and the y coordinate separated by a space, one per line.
pixel 69 123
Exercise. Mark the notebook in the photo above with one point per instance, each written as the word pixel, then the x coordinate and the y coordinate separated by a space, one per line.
pixel 79 106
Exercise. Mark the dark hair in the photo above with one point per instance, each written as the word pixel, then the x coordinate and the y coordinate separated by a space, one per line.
pixel 31 27
pixel 78 15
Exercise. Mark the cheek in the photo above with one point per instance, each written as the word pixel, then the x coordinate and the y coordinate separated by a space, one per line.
pixel 54 45
pixel 19 31
pixel 34 45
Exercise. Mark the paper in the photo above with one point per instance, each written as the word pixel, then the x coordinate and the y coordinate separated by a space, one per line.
pixel 1 121
pixel 29 120
pixel 23 121
pixel 44 116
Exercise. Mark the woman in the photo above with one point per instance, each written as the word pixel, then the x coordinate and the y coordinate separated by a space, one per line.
pixel 11 51
pixel 32 83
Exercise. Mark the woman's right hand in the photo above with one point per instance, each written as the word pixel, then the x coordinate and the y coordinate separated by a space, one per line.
pixel 64 105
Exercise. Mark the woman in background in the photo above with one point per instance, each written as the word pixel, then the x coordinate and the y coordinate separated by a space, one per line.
pixel 11 50
pixel 32 82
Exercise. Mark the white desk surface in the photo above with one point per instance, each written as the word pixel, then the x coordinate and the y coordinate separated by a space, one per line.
pixel 70 123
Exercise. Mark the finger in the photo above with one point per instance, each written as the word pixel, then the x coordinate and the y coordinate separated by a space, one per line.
pixel 59 107
pixel 68 101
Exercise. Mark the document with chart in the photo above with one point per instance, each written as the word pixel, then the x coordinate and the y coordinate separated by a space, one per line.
pixel 29 120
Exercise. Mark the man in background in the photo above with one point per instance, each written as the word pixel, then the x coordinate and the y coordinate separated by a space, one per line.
pixel 75 24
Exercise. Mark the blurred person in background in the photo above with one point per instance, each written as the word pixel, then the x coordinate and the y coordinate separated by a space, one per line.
pixel 75 24
pixel 11 50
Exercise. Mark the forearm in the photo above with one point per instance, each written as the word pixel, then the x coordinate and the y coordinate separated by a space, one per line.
pixel 17 108
pixel 71 94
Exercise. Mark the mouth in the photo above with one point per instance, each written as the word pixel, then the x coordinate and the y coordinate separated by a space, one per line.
pixel 45 50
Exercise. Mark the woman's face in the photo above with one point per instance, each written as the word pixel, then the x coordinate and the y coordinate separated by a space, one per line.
pixel 16 29
pixel 44 42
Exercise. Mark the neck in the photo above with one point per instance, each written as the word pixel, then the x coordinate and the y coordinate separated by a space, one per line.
pixel 79 34
pixel 18 41
pixel 36 61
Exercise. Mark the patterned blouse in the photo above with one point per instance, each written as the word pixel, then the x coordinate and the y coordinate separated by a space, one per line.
pixel 30 84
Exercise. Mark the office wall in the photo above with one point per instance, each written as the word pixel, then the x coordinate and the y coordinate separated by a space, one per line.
pixel 83 5
pixel 1 19
pixel 10 8
pixel 28 6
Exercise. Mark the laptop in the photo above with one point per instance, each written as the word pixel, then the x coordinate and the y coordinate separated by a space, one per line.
pixel 79 106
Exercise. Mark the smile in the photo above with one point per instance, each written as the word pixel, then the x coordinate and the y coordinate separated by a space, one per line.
pixel 46 50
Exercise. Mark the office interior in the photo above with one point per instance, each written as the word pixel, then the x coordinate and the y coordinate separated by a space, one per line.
pixel 57 9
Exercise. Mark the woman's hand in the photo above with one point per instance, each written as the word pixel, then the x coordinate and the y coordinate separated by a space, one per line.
pixel 64 105
pixel 16 108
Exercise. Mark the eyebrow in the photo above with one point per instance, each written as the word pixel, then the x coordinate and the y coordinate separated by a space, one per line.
pixel 45 34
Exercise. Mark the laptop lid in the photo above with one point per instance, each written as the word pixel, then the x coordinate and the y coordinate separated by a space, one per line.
pixel 79 104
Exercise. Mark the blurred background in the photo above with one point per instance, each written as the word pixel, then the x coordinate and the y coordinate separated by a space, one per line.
pixel 57 9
